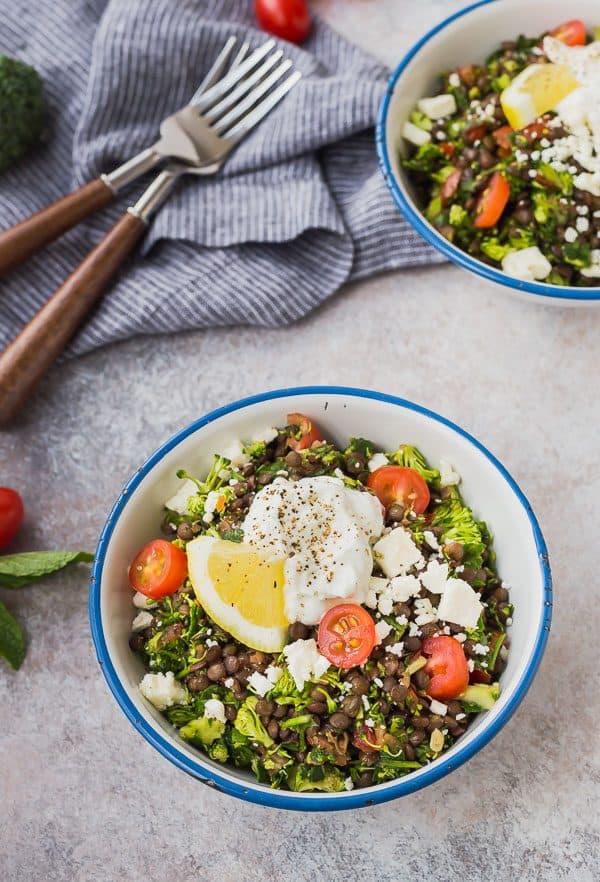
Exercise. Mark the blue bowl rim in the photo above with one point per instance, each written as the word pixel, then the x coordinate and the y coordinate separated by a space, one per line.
pixel 249 791
pixel 456 255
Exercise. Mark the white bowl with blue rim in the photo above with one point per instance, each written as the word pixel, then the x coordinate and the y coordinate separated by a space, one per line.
pixel 468 36
pixel 487 487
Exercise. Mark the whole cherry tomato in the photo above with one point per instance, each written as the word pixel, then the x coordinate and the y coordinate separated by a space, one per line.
pixel 11 515
pixel 288 19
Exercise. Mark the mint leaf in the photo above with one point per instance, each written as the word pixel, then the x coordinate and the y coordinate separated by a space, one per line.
pixel 12 639
pixel 18 570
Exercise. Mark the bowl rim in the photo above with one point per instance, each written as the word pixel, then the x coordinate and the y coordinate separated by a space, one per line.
pixel 415 216
pixel 249 791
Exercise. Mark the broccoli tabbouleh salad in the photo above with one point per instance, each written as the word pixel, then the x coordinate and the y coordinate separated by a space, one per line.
pixel 506 157
pixel 327 618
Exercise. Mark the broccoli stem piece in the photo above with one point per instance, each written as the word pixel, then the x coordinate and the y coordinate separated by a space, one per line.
pixel 21 110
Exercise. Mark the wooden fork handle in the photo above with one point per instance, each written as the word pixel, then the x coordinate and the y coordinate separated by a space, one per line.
pixel 32 234
pixel 28 357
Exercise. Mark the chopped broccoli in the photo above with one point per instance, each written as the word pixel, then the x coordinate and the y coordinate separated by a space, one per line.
pixel 414 459
pixel 298 723
pixel 248 723
pixel 256 449
pixel 303 777
pixel 458 215
pixel 389 767
pixel 21 110
pixel 426 159
pixel 217 751
pixel 459 525
pixel 202 731
pixel 240 748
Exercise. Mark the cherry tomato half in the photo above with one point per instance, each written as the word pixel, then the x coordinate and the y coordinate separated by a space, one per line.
pixel 288 19
pixel 11 515
pixel 346 635
pixel 502 138
pixel 492 202
pixel 447 148
pixel 447 667
pixel 308 431
pixel 158 569
pixel 572 32
pixel 400 484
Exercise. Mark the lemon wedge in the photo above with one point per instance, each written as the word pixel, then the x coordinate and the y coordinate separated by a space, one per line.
pixel 241 590
pixel 537 89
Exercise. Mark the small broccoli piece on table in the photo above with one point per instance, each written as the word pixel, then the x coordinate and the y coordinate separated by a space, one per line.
pixel 21 110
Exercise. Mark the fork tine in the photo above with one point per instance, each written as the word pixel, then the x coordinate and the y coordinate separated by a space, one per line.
pixel 241 55
pixel 238 131
pixel 231 79
pixel 251 99
pixel 217 69
pixel 235 96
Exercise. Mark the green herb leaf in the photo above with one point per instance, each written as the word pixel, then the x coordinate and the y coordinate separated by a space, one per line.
pixel 18 570
pixel 12 639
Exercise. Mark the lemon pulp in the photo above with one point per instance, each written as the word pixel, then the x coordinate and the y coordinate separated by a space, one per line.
pixel 536 90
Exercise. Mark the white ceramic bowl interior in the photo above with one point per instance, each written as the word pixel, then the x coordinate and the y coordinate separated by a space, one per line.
pixel 340 413
pixel 469 36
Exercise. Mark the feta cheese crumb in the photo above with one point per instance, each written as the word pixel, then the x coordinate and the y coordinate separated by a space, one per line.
pixel 570 235
pixel 435 577
pixel 140 601
pixel 460 637
pixel 414 630
pixel 470 665
pixel 348 783
pixel 582 224
pixel 162 690
pixel 460 716
pixel 267 435
pixel 229 682
pixel 438 106
pixel 211 642
pixel 425 612
pixel 143 620
pixel 259 683
pixel 415 135
pixel 377 461
pixel 402 588
pixel 179 501
pixel 437 707
pixel 448 475
pixel 460 604
pixel 370 723
pixel 378 682
pixel 305 662
pixel 454 80
pixel 481 649
pixel 431 540
pixel 396 648
pixel 215 710
pixel 382 629
pixel 366 703
pixel 396 552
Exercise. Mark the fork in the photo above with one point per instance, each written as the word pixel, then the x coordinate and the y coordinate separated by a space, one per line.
pixel 223 111
pixel 27 237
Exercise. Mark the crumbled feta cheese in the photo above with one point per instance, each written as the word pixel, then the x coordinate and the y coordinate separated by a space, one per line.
pixel 210 643
pixel 404 587
pixel 259 683
pixel 470 665
pixel 402 620
pixel 214 500
pixel 570 234
pixel 377 461
pixel 425 612
pixel 365 702
pixel 229 682
pixel 378 682
pixel 396 648
pixel 385 604
pixel 460 716
pixel 528 264
pixel 162 690
pixel 454 80
pixel 415 135
pixel 382 629
pixel 215 710
pixel 396 552
pixel 376 587
pixel 431 540
pixel 370 723
pixel 143 620
pixel 438 106
pixel 348 783
pixel 448 475
pixel 582 209
pixel 140 601
pixel 460 604
pixel 267 435
pixel 435 577
pixel 481 649
pixel 179 501
pixel 273 674
pixel 437 707
pixel 305 662
pixel 234 452
pixel 582 224
pixel 460 637
pixel 414 630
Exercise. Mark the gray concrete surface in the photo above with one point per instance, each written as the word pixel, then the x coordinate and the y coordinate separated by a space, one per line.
pixel 85 799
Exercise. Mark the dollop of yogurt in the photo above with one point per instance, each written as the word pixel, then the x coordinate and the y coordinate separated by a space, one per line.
pixel 324 531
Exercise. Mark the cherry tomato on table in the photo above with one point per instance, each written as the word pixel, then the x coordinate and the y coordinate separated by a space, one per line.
pixel 447 667
pixel 572 32
pixel 400 484
pixel 346 635
pixel 492 202
pixel 158 569
pixel 308 431
pixel 11 515
pixel 288 19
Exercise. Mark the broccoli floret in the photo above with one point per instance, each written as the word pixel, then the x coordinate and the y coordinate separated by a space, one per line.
pixel 414 459
pixel 240 749
pixel 248 723
pixel 304 777
pixel 256 449
pixel 21 110
pixel 459 525
pixel 202 731
pixel 217 751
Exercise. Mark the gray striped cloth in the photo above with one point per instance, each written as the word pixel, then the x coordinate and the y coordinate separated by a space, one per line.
pixel 300 209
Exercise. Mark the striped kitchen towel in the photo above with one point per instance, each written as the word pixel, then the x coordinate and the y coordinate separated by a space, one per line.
pixel 299 209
